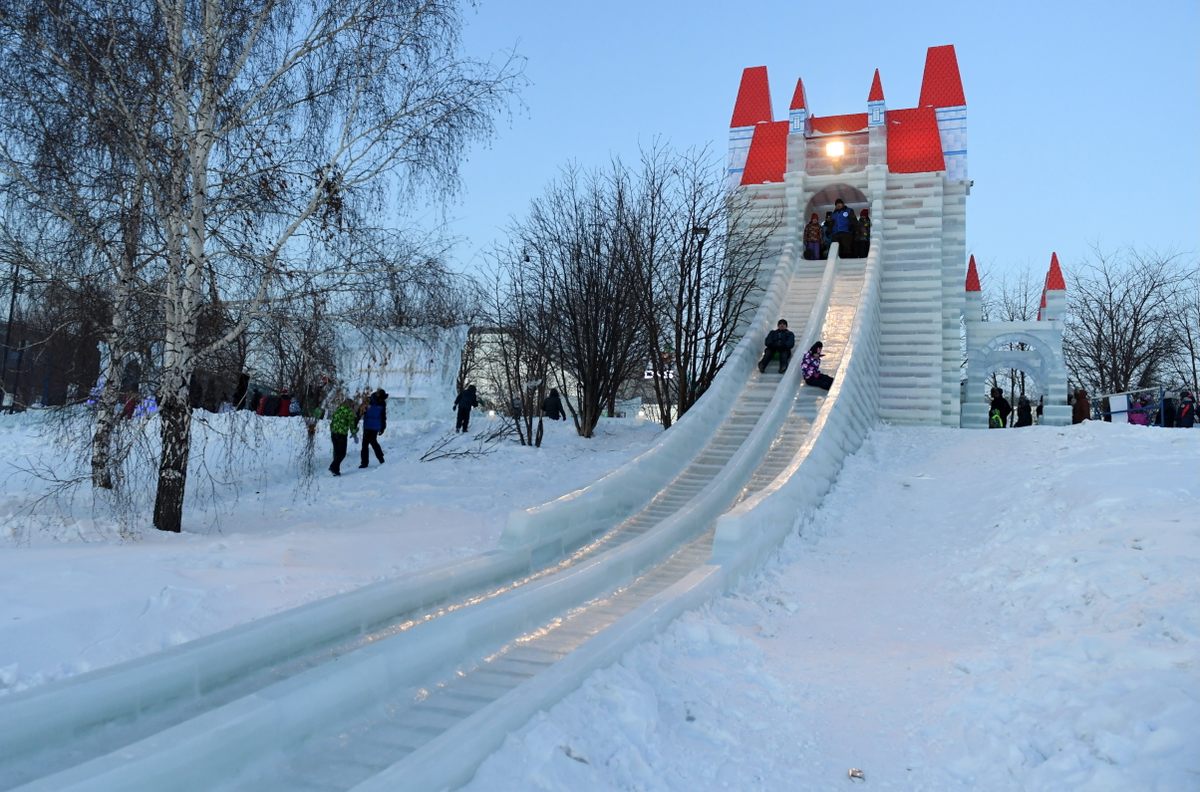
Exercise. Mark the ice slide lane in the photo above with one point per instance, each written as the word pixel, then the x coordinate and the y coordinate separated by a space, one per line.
pixel 103 711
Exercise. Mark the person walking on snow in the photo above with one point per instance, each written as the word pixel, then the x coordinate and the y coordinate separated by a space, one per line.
pixel 1001 407
pixel 552 407
pixel 812 239
pixel 810 367
pixel 1081 410
pixel 844 227
pixel 780 340
pixel 465 400
pixel 343 422
pixel 374 424
pixel 1024 412
pixel 1185 418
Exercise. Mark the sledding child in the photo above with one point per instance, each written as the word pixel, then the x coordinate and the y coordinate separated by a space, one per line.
pixel 810 367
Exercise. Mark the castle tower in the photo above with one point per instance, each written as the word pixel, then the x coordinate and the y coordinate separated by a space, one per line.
pixel 1054 297
pixel 876 128
pixel 753 107
pixel 973 300
pixel 941 89
pixel 798 111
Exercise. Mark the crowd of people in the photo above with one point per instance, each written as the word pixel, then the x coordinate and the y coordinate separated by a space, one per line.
pixel 853 234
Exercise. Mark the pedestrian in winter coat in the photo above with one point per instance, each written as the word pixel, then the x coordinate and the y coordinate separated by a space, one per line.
pixel 343 422
pixel 779 341
pixel 810 367
pixel 465 400
pixel 1001 406
pixel 1185 416
pixel 552 407
pixel 812 238
pixel 862 235
pixel 826 235
pixel 374 423
pixel 1081 410
pixel 1138 410
pixel 844 228
pixel 1024 412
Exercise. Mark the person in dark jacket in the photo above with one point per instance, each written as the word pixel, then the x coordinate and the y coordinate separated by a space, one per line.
pixel 1185 415
pixel 862 235
pixel 1001 406
pixel 1081 410
pixel 1024 412
pixel 812 238
pixel 343 422
pixel 810 367
pixel 374 423
pixel 844 228
pixel 826 235
pixel 465 400
pixel 552 406
pixel 780 340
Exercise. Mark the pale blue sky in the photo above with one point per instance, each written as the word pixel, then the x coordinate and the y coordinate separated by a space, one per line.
pixel 1084 117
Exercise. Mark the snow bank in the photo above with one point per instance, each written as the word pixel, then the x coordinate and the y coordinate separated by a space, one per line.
pixel 982 610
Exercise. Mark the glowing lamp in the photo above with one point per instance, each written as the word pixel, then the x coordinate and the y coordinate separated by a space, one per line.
pixel 835 149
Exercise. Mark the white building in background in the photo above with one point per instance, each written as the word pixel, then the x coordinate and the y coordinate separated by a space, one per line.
pixel 418 368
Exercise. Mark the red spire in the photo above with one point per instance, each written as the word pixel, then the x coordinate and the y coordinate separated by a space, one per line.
pixel 767 159
pixel 941 86
pixel 876 94
pixel 972 276
pixel 1054 278
pixel 753 100
pixel 799 100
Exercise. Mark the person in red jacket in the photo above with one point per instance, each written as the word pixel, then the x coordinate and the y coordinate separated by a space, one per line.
pixel 812 238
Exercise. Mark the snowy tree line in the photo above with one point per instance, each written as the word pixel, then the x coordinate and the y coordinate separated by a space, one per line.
pixel 1133 320
pixel 202 172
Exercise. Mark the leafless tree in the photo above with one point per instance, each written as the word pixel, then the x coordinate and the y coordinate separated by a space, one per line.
pixel 1184 365
pixel 257 135
pixel 696 253
pixel 1121 309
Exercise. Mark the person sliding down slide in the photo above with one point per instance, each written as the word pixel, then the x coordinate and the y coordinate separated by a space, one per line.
pixel 779 341
pixel 810 366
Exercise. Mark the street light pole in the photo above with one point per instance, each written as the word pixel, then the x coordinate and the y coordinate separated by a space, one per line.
pixel 12 306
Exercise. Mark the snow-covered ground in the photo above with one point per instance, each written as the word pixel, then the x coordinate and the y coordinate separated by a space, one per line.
pixel 968 610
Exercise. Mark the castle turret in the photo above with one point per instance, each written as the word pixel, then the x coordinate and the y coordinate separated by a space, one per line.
pixel 876 128
pixel 753 107
pixel 1054 297
pixel 941 89
pixel 798 111
pixel 973 306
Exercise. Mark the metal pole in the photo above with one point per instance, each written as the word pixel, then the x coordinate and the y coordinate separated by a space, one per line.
pixel 12 306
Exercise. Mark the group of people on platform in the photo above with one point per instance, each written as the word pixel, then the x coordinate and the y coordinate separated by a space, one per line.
pixel 853 234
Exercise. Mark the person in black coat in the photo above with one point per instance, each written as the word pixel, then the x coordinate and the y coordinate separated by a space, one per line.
pixel 1001 405
pixel 1185 415
pixel 465 400
pixel 552 407
pixel 779 340
pixel 374 423
pixel 1024 412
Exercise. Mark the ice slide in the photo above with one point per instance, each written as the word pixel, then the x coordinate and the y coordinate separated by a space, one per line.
pixel 431 674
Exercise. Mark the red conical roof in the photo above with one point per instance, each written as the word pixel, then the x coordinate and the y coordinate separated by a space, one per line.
pixel 1054 278
pixel 767 159
pixel 941 86
pixel 753 104
pixel 799 100
pixel 876 94
pixel 972 276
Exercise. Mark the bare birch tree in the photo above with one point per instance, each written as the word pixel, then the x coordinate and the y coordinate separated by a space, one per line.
pixel 258 133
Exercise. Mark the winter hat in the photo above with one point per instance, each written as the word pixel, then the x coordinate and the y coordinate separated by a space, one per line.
pixel 864 211
pixel 813 217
